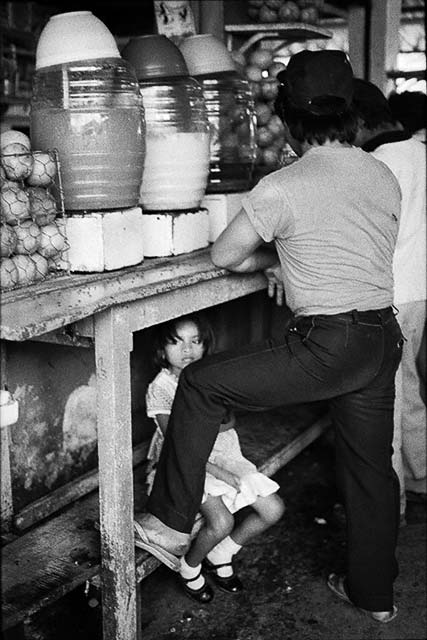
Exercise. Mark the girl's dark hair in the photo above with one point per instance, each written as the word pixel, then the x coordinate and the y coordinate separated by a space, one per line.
pixel 166 333
pixel 307 127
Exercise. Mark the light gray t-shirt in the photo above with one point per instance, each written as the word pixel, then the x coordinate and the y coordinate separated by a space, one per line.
pixel 334 217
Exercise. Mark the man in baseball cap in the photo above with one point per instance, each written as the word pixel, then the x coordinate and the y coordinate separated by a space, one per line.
pixel 332 218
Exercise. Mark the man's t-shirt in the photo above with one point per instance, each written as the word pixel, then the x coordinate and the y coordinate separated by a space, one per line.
pixel 334 217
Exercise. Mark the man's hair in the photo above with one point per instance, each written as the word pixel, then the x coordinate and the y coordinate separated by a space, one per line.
pixel 308 127
pixel 370 104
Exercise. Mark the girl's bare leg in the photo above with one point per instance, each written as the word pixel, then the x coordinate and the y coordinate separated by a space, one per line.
pixel 266 512
pixel 218 524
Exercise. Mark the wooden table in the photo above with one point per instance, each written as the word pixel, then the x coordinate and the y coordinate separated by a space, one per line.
pixel 109 308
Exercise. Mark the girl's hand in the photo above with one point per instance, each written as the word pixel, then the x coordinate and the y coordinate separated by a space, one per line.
pixel 275 283
pixel 224 475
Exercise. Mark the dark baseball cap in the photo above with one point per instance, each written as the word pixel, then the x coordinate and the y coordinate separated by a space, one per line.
pixel 320 82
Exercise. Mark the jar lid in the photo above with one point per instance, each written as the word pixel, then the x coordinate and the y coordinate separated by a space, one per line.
pixel 154 56
pixel 73 36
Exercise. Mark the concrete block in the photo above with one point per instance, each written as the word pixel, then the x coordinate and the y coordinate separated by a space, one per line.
pixel 103 241
pixel 222 207
pixel 170 233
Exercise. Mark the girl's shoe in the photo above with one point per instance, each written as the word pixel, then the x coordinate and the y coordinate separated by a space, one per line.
pixel 230 584
pixel 336 584
pixel 203 594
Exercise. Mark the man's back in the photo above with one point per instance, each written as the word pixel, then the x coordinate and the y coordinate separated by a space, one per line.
pixel 334 216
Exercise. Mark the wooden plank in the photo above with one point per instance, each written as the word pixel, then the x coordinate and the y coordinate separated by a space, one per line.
pixel 295 447
pixel 194 297
pixel 50 305
pixel 49 561
pixel 63 552
pixel 113 343
pixel 57 556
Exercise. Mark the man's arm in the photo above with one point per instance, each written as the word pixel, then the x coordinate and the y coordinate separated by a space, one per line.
pixel 238 248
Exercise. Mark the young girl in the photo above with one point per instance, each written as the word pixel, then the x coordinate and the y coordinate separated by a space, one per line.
pixel 232 482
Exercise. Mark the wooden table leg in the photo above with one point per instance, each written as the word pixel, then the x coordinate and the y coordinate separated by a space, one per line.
pixel 113 343
pixel 6 481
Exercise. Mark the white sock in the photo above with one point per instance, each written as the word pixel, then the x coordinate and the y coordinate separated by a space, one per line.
pixel 188 572
pixel 223 552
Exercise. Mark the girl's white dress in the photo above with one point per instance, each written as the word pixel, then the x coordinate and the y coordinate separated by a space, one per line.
pixel 226 452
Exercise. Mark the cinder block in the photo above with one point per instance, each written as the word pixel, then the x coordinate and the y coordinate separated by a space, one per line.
pixel 103 241
pixel 222 207
pixel 170 233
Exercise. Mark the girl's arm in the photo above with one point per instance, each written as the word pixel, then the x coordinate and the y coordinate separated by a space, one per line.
pixel 222 474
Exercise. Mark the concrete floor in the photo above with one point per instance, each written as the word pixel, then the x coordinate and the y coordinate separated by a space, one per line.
pixel 284 573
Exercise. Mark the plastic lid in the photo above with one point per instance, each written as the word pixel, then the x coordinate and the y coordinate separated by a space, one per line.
pixel 154 56
pixel 73 36
pixel 204 54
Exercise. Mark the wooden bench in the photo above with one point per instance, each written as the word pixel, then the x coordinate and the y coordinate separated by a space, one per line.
pixel 57 555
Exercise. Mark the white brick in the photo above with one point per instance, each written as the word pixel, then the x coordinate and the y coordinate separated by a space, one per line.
pixel 173 233
pixel 103 241
pixel 222 207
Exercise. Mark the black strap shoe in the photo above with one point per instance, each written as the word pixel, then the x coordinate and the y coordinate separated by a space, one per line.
pixel 230 584
pixel 203 594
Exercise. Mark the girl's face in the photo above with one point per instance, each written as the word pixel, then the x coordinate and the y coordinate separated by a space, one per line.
pixel 187 347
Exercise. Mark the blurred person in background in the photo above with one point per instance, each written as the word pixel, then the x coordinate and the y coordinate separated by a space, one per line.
pixel 380 134
pixel 410 109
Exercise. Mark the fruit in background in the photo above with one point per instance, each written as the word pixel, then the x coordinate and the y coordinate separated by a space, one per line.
pixel 15 204
pixel 12 136
pixel 273 4
pixel 270 157
pixel 26 269
pixel 43 171
pixel 263 113
pixel 253 73
pixel 42 205
pixel 52 240
pixel 269 89
pixel 275 68
pixel 255 88
pixel 8 240
pixel 28 237
pixel 17 161
pixel 264 137
pixel 261 58
pixel 309 15
pixel 275 125
pixel 267 15
pixel 289 12
pixel 8 274
pixel 42 266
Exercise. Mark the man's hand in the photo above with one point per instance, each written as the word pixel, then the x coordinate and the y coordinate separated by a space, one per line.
pixel 275 283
